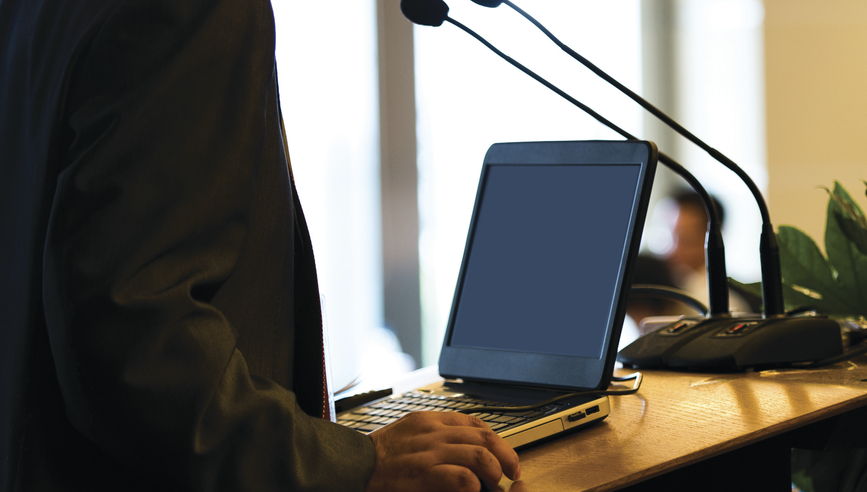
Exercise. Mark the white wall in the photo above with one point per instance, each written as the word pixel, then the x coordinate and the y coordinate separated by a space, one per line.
pixel 816 68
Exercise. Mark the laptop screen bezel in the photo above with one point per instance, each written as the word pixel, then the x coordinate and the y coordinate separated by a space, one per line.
pixel 553 371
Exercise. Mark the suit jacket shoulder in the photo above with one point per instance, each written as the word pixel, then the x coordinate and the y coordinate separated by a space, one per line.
pixel 153 269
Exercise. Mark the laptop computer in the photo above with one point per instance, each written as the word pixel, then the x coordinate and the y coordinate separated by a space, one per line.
pixel 542 290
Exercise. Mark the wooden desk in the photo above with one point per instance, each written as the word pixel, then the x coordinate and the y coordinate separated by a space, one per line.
pixel 697 431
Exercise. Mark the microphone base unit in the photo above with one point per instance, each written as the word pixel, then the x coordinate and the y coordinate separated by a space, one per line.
pixel 727 344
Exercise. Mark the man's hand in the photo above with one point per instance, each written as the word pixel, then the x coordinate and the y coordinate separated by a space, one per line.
pixel 438 451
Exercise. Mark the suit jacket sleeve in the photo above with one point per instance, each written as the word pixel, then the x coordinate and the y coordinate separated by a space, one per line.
pixel 174 150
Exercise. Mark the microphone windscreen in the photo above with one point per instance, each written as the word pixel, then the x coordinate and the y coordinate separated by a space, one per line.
pixel 489 3
pixel 425 12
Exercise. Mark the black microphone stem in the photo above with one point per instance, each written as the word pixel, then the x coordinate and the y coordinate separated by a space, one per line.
pixel 718 294
pixel 714 248
pixel 542 81
pixel 772 289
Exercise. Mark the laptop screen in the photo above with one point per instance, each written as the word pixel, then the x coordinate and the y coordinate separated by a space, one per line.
pixel 541 292
pixel 542 268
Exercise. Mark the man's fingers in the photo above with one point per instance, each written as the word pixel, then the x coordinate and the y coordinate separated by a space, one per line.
pixel 465 429
pixel 477 459
pixel 453 477
pixel 519 486
pixel 504 453
pixel 485 438
pixel 440 451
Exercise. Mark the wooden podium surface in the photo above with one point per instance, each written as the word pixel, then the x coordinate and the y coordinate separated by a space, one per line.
pixel 738 426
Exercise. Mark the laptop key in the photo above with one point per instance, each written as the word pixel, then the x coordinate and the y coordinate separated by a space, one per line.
pixel 370 427
pixel 506 419
pixel 495 425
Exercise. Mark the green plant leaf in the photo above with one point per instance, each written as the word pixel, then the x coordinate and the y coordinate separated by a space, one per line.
pixel 836 285
pixel 844 253
pixel 853 232
pixel 849 216
pixel 799 298
pixel 792 299
pixel 841 196
pixel 806 270
pixel 753 288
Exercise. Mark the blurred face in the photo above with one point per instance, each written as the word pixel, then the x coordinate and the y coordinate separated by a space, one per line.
pixel 689 235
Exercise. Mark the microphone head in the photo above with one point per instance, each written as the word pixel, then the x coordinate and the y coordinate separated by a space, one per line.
pixel 489 3
pixel 425 12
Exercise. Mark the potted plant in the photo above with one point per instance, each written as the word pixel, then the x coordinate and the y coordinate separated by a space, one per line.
pixel 836 284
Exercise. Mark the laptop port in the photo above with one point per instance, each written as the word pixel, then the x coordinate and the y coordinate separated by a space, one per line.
pixel 577 416
pixel 592 410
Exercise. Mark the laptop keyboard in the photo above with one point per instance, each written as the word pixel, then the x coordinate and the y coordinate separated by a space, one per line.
pixel 379 414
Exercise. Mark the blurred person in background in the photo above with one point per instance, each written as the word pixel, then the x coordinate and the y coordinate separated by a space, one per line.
pixel 681 265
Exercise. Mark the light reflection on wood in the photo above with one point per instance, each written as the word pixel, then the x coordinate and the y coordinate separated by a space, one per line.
pixel 680 418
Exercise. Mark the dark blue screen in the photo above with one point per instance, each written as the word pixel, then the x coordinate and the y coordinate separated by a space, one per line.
pixel 545 258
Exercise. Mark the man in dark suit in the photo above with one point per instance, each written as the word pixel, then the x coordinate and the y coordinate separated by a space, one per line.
pixel 160 310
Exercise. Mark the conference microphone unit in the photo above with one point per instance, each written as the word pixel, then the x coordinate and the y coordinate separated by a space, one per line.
pixel 718 342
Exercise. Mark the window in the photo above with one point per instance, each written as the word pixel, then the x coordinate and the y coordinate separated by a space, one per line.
pixel 326 56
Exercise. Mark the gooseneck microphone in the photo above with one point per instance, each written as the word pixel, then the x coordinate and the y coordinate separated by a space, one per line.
pixel 717 342
pixel 772 285
pixel 435 12
pixel 426 13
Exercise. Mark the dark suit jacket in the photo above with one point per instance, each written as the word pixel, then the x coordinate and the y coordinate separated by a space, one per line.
pixel 152 285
